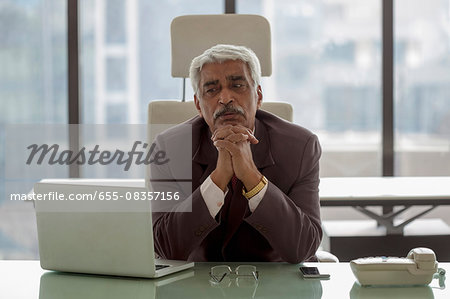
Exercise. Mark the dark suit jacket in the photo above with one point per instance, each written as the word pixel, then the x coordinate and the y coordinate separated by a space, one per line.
pixel 286 224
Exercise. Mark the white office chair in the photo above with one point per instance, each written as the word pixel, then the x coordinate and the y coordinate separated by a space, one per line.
pixel 191 36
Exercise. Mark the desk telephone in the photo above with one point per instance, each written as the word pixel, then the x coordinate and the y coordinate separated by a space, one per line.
pixel 417 268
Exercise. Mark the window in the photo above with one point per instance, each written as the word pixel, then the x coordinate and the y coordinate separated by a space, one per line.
pixel 422 88
pixel 33 90
pixel 126 56
pixel 327 64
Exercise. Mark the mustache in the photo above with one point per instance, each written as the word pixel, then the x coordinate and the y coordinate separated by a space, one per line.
pixel 228 109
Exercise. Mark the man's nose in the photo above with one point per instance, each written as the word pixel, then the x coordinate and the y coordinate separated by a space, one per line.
pixel 225 97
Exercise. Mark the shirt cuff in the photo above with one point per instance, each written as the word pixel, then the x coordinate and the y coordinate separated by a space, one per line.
pixel 255 200
pixel 213 196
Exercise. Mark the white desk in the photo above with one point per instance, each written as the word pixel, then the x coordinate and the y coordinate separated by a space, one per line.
pixel 387 232
pixel 25 279
pixel 387 192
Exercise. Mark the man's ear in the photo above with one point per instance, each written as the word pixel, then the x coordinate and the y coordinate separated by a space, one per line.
pixel 197 105
pixel 259 96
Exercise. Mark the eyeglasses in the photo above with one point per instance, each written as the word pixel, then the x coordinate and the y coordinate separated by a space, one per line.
pixel 246 277
pixel 218 273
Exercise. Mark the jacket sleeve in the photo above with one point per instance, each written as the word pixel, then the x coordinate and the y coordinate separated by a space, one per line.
pixel 290 221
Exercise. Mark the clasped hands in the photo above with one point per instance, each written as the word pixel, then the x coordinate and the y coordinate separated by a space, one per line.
pixel 234 156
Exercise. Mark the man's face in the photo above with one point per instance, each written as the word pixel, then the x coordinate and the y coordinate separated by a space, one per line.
pixel 226 95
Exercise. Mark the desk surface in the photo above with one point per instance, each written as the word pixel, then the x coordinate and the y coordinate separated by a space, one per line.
pixel 353 191
pixel 25 279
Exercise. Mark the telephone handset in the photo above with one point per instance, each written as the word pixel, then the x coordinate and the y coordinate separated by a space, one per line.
pixel 417 268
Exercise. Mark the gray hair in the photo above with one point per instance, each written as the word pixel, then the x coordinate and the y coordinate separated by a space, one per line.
pixel 222 53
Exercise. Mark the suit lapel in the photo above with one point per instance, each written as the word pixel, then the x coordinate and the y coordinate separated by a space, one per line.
pixel 204 152
pixel 262 155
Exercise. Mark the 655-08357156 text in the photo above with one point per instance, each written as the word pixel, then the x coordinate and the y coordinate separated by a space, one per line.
pixel 99 195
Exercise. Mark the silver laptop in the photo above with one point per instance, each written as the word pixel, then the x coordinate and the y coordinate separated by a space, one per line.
pixel 98 227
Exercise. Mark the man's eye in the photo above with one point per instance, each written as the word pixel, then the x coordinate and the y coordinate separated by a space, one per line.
pixel 238 85
pixel 211 90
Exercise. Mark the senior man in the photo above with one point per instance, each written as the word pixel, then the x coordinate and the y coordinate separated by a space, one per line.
pixel 255 176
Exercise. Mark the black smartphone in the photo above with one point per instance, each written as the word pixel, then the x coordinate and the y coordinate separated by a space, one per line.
pixel 313 272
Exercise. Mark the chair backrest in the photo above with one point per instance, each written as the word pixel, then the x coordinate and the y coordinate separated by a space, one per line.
pixel 191 35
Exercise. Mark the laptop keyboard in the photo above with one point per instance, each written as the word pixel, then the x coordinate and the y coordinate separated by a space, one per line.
pixel 159 267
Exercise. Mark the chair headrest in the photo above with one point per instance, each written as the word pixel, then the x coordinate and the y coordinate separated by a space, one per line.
pixel 193 34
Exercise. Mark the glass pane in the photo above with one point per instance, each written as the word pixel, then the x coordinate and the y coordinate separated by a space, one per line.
pixel 126 56
pixel 33 90
pixel 327 64
pixel 422 87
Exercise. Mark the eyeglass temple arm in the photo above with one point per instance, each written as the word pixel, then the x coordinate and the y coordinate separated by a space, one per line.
pixel 220 279
pixel 255 274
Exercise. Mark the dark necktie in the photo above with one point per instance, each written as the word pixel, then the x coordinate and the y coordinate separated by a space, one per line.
pixel 234 181
pixel 235 210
